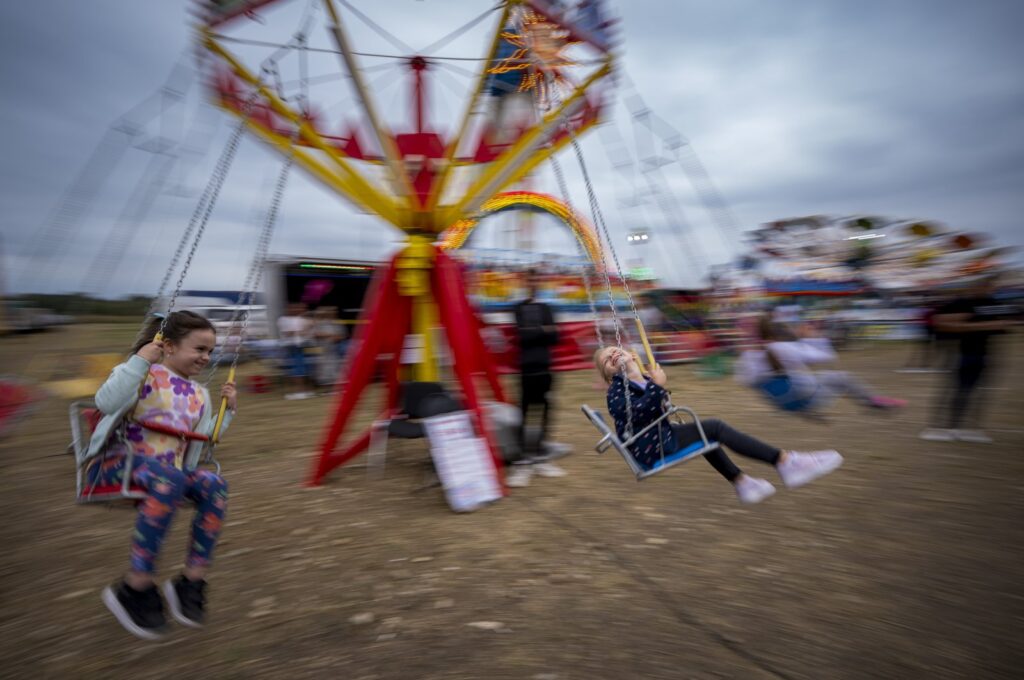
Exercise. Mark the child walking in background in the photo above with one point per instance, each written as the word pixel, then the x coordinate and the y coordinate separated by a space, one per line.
pixel 155 388
pixel 647 401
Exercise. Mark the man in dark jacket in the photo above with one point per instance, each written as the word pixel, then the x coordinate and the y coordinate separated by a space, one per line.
pixel 537 333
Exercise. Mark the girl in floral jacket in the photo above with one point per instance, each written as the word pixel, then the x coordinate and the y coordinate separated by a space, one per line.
pixel 154 395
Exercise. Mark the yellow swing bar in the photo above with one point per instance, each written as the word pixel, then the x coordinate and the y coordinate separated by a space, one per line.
pixel 215 438
pixel 651 364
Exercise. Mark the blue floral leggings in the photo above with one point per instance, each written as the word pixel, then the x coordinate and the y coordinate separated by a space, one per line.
pixel 167 487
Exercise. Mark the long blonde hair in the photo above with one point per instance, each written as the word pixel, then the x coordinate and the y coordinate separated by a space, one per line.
pixel 599 365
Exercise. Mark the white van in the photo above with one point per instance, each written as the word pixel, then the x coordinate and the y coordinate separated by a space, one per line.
pixel 227 320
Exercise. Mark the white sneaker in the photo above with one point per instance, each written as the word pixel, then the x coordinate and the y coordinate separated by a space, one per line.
pixel 752 490
pixel 518 475
pixel 299 395
pixel 802 468
pixel 937 434
pixel 549 470
pixel 974 436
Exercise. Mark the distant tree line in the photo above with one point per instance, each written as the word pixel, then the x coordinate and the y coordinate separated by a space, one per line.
pixel 80 304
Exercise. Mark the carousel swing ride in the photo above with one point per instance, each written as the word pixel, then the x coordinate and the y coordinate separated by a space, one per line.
pixel 422 182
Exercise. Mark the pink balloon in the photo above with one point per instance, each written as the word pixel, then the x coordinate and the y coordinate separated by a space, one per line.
pixel 315 290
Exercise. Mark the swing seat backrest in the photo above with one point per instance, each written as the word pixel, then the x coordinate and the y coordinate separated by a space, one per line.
pixel 640 471
pixel 779 389
pixel 84 419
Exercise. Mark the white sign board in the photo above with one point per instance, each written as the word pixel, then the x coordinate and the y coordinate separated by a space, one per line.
pixel 463 462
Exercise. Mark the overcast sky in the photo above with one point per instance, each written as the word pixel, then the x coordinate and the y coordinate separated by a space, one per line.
pixel 905 109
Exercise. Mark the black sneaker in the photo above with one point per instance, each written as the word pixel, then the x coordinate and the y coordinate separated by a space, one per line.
pixel 186 599
pixel 141 612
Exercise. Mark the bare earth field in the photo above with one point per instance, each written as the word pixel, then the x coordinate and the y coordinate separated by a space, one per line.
pixel 906 563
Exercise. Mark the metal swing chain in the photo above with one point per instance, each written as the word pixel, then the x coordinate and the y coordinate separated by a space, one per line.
pixel 269 68
pixel 245 302
pixel 563 189
pixel 599 222
pixel 255 274
pixel 636 315
pixel 201 215
pixel 220 174
pixel 598 218
pixel 595 210
pixel 203 209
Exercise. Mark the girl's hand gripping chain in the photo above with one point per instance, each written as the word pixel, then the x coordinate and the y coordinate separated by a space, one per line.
pixel 152 351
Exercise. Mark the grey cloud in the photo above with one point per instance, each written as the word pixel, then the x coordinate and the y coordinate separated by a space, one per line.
pixel 910 108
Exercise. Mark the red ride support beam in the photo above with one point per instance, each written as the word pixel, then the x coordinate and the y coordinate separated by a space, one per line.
pixel 387 317
pixel 460 330
pixel 418 66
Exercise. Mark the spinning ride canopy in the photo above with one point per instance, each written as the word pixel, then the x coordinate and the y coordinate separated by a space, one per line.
pixel 413 175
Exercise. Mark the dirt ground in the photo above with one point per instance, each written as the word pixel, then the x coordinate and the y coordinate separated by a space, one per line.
pixel 906 563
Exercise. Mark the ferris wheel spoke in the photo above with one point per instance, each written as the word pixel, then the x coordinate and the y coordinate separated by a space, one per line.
pixel 377 28
pixel 441 42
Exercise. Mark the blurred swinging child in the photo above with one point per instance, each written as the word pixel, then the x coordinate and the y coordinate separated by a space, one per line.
pixel 156 386
pixel 646 402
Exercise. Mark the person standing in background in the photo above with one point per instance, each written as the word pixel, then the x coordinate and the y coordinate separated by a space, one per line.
pixel 537 334
pixel 973 319
pixel 294 333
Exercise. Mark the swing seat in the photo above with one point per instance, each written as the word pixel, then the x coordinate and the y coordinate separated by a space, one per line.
pixel 106 493
pixel 641 471
pixel 779 390
pixel 685 453
pixel 84 419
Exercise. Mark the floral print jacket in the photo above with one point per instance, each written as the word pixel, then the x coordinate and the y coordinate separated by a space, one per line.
pixel 118 396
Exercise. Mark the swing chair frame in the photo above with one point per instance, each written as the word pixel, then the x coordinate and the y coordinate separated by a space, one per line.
pixel 611 439
pixel 86 492
pixel 609 436
pixel 89 493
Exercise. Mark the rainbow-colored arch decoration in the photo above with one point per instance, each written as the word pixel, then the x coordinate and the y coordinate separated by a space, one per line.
pixel 456 235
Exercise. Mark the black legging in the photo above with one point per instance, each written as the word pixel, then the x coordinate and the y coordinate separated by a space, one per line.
pixel 718 431
pixel 969 376
pixel 534 391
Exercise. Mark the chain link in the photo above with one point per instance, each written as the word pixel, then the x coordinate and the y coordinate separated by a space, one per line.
pixel 602 227
pixel 240 318
pixel 564 191
pixel 255 274
pixel 201 215
pixel 220 174
pixel 544 103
